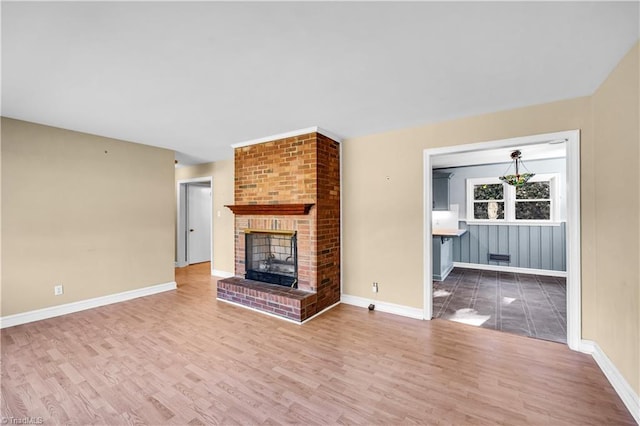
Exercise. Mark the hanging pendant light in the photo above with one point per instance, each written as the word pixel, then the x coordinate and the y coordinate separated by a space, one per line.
pixel 517 179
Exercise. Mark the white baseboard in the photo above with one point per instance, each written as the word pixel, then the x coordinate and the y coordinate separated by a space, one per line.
pixel 222 274
pixel 391 308
pixel 513 269
pixel 626 393
pixel 68 308
pixel 321 312
pixel 181 264
pixel 628 396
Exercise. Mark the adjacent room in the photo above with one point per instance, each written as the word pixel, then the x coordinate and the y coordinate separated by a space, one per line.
pixel 320 213
pixel 499 250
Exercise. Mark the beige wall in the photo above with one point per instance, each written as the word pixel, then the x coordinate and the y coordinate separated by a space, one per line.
pixel 97 222
pixel 1 202
pixel 615 313
pixel 74 215
pixel 383 192
pixel 383 196
pixel 222 188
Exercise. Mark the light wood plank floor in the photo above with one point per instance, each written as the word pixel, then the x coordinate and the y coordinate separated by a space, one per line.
pixel 183 358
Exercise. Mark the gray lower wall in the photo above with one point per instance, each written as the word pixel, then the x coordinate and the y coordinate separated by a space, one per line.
pixel 536 247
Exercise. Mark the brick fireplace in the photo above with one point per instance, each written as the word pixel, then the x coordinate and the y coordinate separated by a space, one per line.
pixel 288 186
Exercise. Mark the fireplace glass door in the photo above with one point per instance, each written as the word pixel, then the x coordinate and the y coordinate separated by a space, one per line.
pixel 271 257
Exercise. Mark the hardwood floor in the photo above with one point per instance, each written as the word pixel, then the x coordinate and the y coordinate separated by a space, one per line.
pixel 182 358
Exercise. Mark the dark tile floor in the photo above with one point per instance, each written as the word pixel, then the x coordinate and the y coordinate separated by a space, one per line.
pixel 530 305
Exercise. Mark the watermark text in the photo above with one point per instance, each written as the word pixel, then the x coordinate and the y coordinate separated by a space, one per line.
pixel 21 420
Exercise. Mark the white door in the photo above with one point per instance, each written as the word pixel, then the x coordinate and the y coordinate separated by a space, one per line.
pixel 198 223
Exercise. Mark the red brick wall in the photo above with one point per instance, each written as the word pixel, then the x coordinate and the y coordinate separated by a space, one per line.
pixel 306 247
pixel 282 301
pixel 300 169
pixel 278 172
pixel 328 222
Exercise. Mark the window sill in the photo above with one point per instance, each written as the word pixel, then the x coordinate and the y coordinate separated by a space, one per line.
pixel 514 223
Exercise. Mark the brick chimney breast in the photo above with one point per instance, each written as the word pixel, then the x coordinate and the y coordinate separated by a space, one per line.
pixel 297 170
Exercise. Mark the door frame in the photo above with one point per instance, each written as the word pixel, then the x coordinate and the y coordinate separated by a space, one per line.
pixel 181 219
pixel 572 192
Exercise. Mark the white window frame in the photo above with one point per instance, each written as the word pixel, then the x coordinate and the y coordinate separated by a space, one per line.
pixel 471 182
pixel 510 201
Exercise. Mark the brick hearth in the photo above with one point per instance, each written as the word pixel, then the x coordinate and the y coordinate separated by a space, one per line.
pixel 302 169
pixel 276 299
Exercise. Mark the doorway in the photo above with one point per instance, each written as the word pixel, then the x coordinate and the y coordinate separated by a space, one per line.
pixel 194 224
pixel 572 160
pixel 198 235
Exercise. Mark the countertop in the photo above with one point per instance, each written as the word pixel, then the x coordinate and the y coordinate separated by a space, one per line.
pixel 448 232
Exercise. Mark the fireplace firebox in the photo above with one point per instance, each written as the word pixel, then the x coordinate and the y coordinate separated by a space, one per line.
pixel 271 256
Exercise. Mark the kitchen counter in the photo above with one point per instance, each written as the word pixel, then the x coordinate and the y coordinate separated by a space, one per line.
pixel 443 251
pixel 448 232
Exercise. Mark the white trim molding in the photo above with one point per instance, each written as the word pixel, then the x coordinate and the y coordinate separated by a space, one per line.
pixel 506 223
pixel 82 305
pixel 181 217
pixel 290 134
pixel 513 269
pixel 510 200
pixel 427 237
pixel 624 390
pixel 221 274
pixel 572 191
pixel 573 238
pixel 391 308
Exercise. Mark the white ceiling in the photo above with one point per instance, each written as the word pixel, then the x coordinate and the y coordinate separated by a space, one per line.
pixel 197 77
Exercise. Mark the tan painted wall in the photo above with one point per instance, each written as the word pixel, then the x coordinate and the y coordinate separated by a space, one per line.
pixel 617 208
pixel 383 196
pixel 59 228
pixel 0 218
pixel 383 192
pixel 98 223
pixel 222 188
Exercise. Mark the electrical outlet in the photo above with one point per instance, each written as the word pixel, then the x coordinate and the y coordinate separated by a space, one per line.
pixel 374 287
pixel 57 290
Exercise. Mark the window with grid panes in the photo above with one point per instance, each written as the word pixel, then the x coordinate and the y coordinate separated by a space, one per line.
pixel 489 199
